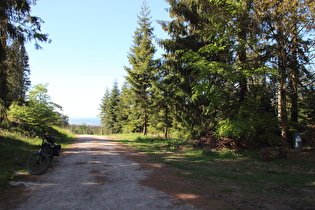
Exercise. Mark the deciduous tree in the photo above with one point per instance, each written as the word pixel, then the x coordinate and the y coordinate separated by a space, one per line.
pixel 39 111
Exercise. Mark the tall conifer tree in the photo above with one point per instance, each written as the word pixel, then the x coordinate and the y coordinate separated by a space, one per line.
pixel 287 28
pixel 110 112
pixel 229 56
pixel 18 73
pixel 104 108
pixel 17 25
pixel 140 74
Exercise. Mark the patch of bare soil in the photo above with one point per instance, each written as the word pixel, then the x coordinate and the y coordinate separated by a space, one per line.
pixel 94 173
pixel 196 192
pixel 14 194
pixel 201 194
pixel 167 179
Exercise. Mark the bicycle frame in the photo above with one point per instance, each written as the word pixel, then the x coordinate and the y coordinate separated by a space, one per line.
pixel 42 159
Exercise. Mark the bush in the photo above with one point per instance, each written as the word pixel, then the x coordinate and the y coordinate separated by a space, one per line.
pixel 87 129
pixel 39 113
pixel 251 126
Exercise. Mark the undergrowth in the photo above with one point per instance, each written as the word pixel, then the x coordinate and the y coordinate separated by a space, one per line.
pixel 235 171
pixel 16 148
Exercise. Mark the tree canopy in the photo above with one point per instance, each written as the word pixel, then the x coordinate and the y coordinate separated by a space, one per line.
pixel 141 72
pixel 39 111
pixel 232 69
pixel 17 26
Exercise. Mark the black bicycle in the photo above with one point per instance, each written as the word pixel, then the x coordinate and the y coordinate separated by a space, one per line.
pixel 42 159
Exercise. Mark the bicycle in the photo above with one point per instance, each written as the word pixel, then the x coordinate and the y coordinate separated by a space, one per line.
pixel 41 160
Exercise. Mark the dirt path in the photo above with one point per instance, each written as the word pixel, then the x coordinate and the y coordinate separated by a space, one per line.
pixel 94 173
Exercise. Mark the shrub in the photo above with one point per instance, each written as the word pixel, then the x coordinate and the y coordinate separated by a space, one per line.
pixel 251 126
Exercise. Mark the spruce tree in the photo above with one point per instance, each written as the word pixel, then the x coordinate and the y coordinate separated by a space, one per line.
pixel 115 111
pixel 18 73
pixel 129 115
pixel 104 109
pixel 230 56
pixel 287 28
pixel 110 113
pixel 17 25
pixel 140 74
pixel 195 46
pixel 163 101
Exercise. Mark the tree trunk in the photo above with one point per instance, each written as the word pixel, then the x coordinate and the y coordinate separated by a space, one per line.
pixel 294 96
pixel 145 124
pixel 165 132
pixel 3 66
pixel 166 121
pixel 282 111
pixel 242 57
pixel 294 66
pixel 282 57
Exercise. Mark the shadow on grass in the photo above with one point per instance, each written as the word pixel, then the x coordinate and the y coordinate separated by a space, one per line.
pixel 15 149
pixel 234 169
pixel 62 138
pixel 13 154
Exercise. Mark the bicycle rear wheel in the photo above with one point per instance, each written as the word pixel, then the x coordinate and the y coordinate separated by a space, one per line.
pixel 37 163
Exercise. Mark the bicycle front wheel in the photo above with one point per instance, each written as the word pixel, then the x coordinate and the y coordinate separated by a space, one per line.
pixel 37 163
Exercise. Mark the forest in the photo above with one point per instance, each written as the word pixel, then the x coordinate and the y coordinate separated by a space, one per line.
pixel 22 108
pixel 240 71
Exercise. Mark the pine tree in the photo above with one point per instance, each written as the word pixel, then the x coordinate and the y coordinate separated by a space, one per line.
pixel 164 89
pixel 110 112
pixel 105 109
pixel 129 115
pixel 115 111
pixel 199 55
pixel 287 26
pixel 231 58
pixel 18 73
pixel 17 25
pixel 140 74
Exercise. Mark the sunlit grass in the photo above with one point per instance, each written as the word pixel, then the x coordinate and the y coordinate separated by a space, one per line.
pixel 15 149
pixel 311 184
pixel 237 169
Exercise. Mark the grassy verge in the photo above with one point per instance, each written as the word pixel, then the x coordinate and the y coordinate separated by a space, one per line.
pixel 15 149
pixel 237 173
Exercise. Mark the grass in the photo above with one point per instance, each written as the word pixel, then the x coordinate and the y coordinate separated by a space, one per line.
pixel 231 171
pixel 15 149
pixel 228 172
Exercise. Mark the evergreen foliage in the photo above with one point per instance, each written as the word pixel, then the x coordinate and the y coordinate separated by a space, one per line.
pixel 141 72
pixel 129 115
pixel 162 100
pixel 86 129
pixel 232 69
pixel 110 114
pixel 17 26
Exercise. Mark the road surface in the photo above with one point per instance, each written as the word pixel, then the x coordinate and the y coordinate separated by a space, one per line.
pixel 95 174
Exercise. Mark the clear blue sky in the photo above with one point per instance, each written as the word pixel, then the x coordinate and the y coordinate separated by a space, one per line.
pixel 90 43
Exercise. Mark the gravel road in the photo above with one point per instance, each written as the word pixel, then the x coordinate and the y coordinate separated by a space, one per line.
pixel 93 174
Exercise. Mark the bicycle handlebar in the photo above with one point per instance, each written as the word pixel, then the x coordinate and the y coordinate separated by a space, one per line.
pixel 50 139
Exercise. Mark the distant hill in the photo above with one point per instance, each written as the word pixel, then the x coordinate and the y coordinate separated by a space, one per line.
pixel 84 120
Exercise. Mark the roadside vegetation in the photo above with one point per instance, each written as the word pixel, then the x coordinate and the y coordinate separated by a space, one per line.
pixel 234 172
pixel 239 73
pixel 22 130
pixel 230 83
pixel 232 89
pixel 87 129
pixel 16 147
